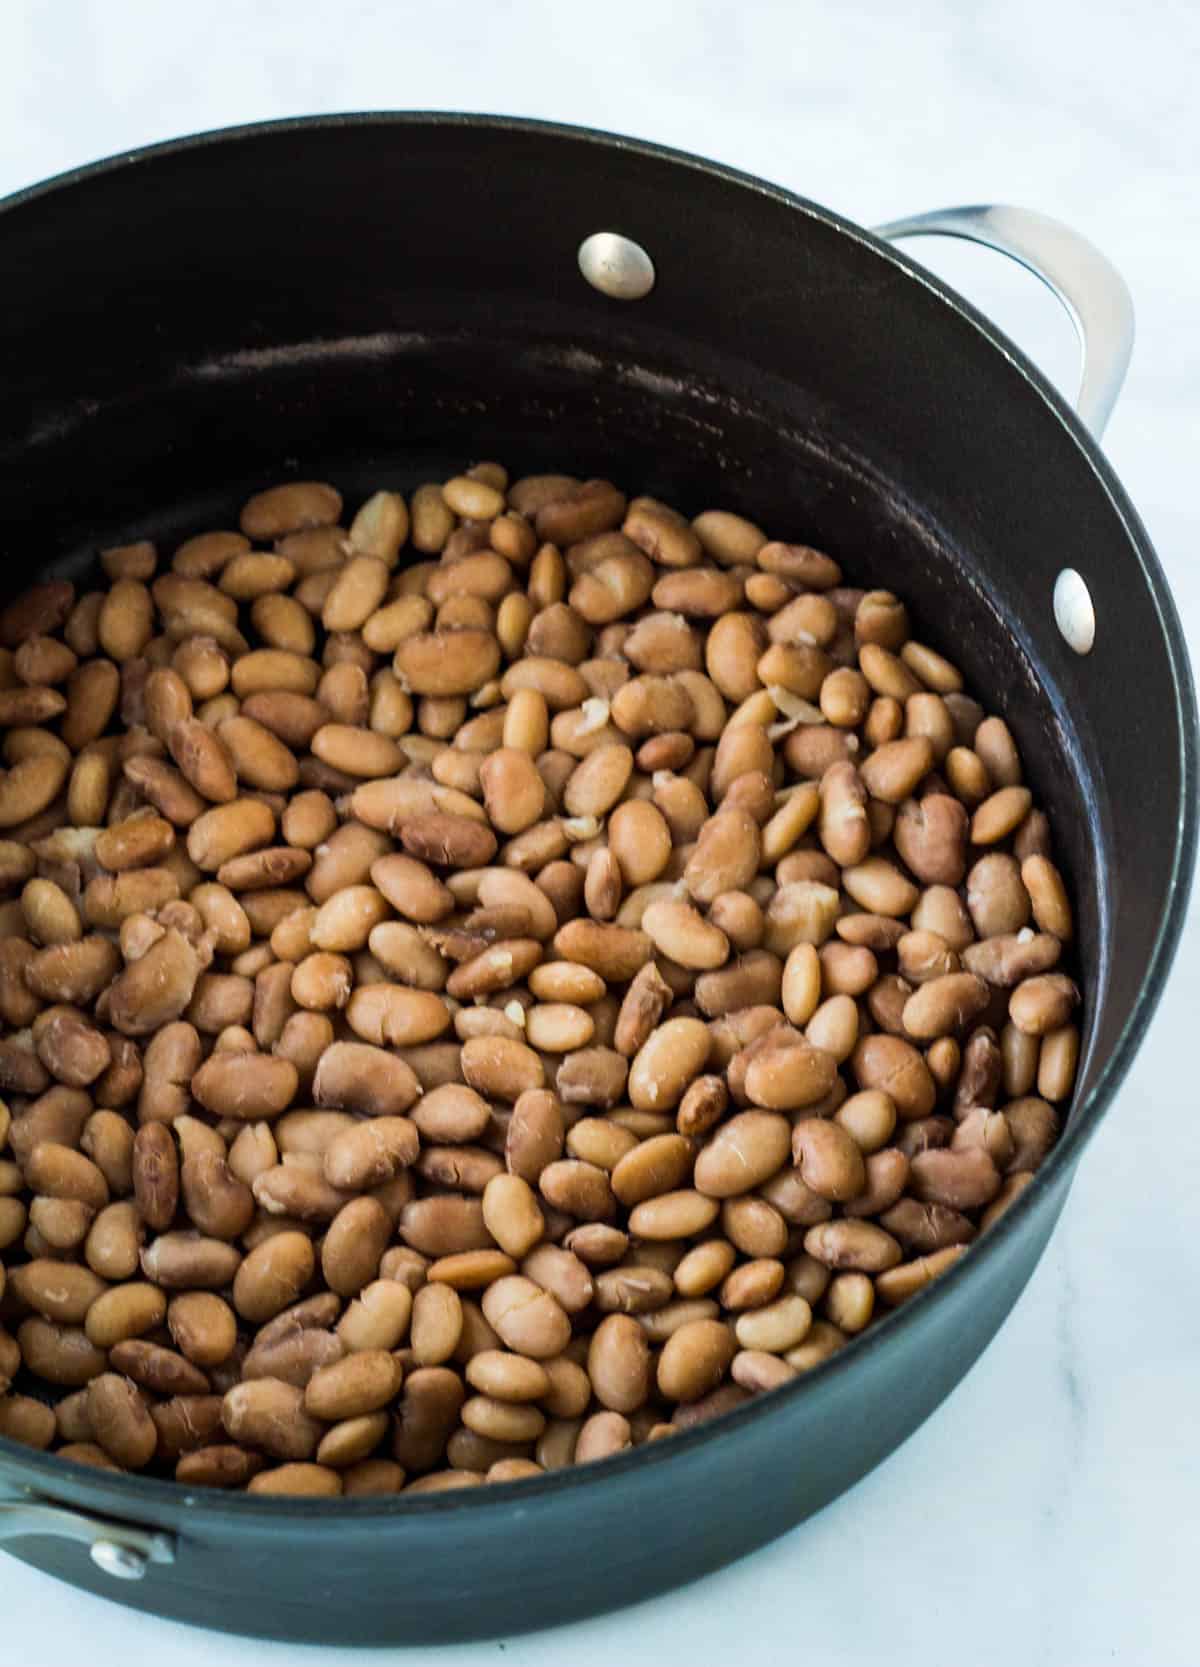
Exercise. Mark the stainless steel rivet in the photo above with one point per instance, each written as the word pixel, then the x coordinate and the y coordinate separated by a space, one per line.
pixel 1073 611
pixel 616 266
pixel 118 1560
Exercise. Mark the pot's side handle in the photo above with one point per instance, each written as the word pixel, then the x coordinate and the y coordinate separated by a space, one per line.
pixel 119 1548
pixel 1085 282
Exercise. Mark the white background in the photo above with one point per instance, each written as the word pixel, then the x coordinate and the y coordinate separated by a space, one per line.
pixel 1048 1513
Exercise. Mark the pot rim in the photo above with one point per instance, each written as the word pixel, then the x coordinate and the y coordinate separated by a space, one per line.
pixel 138 1495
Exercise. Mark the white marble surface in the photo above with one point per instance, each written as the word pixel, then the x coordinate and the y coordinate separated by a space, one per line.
pixel 1047 1515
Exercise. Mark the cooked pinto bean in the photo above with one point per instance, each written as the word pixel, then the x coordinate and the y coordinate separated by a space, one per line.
pixel 681 910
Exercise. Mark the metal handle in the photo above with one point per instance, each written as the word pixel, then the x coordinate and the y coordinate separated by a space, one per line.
pixel 1084 281
pixel 118 1548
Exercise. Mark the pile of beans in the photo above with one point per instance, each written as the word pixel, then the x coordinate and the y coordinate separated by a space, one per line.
pixel 491 986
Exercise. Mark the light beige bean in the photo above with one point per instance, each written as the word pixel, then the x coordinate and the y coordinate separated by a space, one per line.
pixel 378 1318
pixel 776 1327
pixel 670 1058
pixel 869 1117
pixel 790 1076
pixel 436 1325
pixel 508 1377
pixel 673 1215
pixel 512 1214
pixel 528 1319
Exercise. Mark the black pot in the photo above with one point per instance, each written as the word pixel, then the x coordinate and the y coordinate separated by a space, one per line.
pixel 377 299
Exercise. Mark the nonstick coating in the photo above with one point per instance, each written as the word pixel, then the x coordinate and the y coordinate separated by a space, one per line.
pixel 377 300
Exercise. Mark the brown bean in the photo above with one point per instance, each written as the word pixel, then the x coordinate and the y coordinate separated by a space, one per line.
pixel 271 1415
pixel 535 1134
pixel 1008 959
pixel 219 1465
pixel 743 1153
pixel 694 1359
pixel 237 1085
pixel 896 1285
pixel 633 1289
pixel 1058 1059
pixel 370 1153
pixel 354 1244
pixel 30 786
pixel 1048 896
pixel 157 1369
pixel 1012 1189
pixel 60 1354
pixel 272 1276
pixel 445 1224
pixel 38 611
pixel 229 831
pixel 1034 1127
pixel 58 1172
pixel 1000 815
pixel 60 1291
pixel 203 1327
pixel 580 1189
pixel 602 1436
pixel 113 1242
pixel 856 1246
pixel 349 1388
pixel 1043 1004
pixel 378 1318
pixel 828 1158
pixel 619 1364
pixel 654 1166
pixel 155 1175
pixel 120 1421
pixel 896 1068
pixel 944 1004
pixel 923 1227
pixel 468 1270
pixel 789 1077
pixel 561 1272
pixel 184 1261
pixel 965 1178
pixel 186 1423
pixel 386 1015
pixel 55 1224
